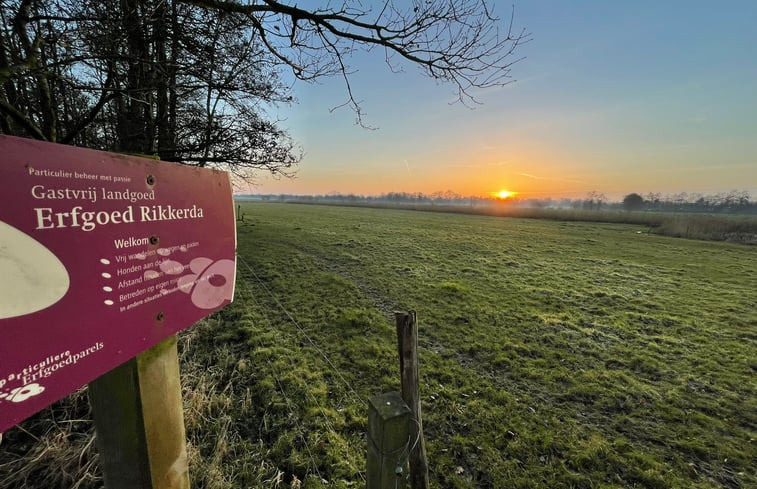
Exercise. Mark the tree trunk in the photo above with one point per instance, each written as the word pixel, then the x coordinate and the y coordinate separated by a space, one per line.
pixel 133 123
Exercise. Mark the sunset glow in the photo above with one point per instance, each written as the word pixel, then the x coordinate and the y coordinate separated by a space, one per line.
pixel 656 121
pixel 504 194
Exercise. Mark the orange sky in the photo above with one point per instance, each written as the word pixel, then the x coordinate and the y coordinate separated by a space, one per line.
pixel 640 102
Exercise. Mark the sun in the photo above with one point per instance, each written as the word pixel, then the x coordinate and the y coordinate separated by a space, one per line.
pixel 504 194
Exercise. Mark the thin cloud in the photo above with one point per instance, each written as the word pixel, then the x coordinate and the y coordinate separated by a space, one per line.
pixel 477 165
pixel 534 177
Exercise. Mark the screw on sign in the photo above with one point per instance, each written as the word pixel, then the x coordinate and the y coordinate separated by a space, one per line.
pixel 104 257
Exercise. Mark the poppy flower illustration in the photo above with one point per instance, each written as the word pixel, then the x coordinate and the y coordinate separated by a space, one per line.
pixel 211 283
pixel 20 394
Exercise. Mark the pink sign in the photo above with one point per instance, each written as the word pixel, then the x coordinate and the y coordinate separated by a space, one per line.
pixel 101 257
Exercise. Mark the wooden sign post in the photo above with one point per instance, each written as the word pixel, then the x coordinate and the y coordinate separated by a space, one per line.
pixel 139 422
pixel 105 257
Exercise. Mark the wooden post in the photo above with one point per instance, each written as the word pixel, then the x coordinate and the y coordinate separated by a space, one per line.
pixel 388 435
pixel 407 338
pixel 139 422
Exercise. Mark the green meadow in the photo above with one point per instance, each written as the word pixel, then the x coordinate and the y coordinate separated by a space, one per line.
pixel 553 355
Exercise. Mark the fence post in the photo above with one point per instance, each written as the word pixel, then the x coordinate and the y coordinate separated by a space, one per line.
pixel 139 422
pixel 407 339
pixel 388 435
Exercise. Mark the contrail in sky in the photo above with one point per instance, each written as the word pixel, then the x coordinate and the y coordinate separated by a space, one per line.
pixel 408 167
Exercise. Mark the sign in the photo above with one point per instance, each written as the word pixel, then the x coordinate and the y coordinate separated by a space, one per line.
pixel 101 257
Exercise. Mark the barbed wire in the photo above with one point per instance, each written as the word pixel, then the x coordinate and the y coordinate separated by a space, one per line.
pixel 251 297
pixel 337 371
pixel 289 404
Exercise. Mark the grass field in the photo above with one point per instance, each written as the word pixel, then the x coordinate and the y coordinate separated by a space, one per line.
pixel 733 228
pixel 553 355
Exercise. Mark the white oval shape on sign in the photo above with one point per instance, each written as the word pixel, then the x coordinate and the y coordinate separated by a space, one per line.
pixel 33 277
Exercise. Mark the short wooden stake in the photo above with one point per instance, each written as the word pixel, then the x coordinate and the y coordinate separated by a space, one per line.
pixel 388 435
pixel 407 342
pixel 139 422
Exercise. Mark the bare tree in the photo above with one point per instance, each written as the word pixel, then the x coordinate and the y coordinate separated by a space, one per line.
pixel 148 76
pixel 456 41
pixel 188 79
pixel 594 200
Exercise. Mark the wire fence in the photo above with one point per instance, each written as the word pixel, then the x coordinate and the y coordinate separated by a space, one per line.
pixel 249 300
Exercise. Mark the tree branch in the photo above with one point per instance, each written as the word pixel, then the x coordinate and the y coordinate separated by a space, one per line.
pixel 22 120
pixel 456 41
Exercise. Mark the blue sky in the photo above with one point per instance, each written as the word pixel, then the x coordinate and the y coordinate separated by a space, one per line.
pixel 615 97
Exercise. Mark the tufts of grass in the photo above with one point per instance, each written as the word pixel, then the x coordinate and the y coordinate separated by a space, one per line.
pixel 52 449
pixel 452 289
pixel 736 229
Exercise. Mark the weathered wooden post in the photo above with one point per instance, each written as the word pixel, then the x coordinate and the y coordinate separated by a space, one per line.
pixel 407 342
pixel 388 435
pixel 139 421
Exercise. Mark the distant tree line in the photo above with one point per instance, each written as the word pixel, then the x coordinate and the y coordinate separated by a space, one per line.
pixel 734 202
pixel 437 198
